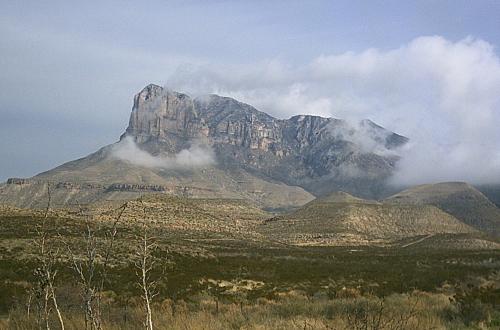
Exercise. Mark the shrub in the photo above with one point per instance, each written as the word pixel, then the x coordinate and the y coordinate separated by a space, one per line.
pixel 474 304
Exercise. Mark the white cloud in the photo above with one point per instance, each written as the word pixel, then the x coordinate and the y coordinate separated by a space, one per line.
pixel 443 95
pixel 195 157
pixel 367 137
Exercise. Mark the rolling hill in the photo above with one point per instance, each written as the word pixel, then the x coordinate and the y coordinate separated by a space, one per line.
pixel 342 219
pixel 459 199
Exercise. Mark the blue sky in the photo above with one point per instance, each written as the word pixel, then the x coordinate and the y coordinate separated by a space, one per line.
pixel 70 69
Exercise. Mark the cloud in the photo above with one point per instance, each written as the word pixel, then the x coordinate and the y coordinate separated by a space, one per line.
pixel 196 156
pixel 366 135
pixel 443 95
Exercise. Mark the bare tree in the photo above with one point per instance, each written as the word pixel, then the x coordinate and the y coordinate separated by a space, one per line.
pixel 86 271
pixel 46 272
pixel 92 269
pixel 144 265
pixel 110 238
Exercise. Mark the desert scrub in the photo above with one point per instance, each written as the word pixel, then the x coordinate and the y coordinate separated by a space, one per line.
pixel 476 305
pixel 294 310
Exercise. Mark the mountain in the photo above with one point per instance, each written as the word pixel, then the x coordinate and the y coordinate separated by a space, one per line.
pixel 307 151
pixel 215 146
pixel 342 219
pixel 459 199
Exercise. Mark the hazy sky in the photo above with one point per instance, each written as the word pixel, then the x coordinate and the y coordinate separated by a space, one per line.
pixel 426 69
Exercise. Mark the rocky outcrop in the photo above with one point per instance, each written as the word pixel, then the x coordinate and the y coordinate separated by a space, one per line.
pixel 18 181
pixel 56 185
pixel 136 187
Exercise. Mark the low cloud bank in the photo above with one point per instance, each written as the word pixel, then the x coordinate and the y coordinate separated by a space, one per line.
pixel 196 156
pixel 443 95
pixel 366 135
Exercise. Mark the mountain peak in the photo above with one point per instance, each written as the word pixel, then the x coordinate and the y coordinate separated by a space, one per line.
pixel 159 114
pixel 150 91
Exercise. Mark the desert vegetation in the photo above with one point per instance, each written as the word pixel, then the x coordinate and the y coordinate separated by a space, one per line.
pixel 346 309
pixel 135 266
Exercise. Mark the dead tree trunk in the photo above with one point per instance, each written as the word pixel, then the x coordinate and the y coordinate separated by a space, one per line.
pixel 46 273
pixel 144 265
pixel 144 270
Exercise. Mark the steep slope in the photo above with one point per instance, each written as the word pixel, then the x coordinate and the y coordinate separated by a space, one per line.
pixel 458 199
pixel 341 219
pixel 216 146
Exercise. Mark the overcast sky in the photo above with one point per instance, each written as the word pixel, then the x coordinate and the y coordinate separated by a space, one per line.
pixel 426 69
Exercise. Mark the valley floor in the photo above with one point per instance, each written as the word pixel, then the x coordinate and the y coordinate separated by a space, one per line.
pixel 206 278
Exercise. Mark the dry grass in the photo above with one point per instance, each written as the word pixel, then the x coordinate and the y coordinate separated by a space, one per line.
pixel 290 311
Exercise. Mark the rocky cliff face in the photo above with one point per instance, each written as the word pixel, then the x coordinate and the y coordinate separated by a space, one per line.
pixel 319 154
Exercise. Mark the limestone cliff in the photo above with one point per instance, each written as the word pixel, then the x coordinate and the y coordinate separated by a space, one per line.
pixel 319 154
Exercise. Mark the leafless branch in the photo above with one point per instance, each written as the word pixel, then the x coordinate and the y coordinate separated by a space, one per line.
pixel 92 277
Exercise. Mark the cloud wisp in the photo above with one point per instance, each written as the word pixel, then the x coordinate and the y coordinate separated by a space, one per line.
pixel 443 95
pixel 196 156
